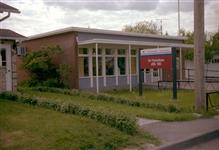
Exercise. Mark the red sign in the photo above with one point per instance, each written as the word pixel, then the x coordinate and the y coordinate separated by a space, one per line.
pixel 156 62
pixel 156 58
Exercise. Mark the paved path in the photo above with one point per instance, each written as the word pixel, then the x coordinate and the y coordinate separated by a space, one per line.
pixel 172 132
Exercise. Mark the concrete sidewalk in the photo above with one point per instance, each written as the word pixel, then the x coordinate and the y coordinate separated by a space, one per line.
pixel 171 133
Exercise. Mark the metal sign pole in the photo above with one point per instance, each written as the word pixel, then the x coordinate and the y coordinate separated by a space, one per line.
pixel 174 73
pixel 140 74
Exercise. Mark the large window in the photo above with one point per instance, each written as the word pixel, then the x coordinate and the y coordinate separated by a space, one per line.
pixel 3 57
pixel 83 66
pixel 109 65
pixel 133 61
pixel 99 66
pixel 121 66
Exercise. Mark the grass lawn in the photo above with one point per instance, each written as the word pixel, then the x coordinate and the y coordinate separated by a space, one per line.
pixel 29 127
pixel 112 107
pixel 185 97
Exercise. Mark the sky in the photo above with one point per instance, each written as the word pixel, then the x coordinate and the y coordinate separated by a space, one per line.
pixel 38 16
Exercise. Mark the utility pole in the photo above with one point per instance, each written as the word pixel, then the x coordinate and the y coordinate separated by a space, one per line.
pixel 200 93
pixel 161 25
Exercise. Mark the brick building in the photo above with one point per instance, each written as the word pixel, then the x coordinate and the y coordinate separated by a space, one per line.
pixel 102 59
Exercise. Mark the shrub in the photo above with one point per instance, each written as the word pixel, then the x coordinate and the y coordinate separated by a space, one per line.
pixel 118 121
pixel 105 97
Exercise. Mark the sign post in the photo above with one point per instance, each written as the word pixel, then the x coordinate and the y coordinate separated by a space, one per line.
pixel 174 73
pixel 158 58
pixel 140 74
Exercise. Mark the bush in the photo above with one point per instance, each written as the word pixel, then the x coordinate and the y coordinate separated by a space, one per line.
pixel 105 97
pixel 118 121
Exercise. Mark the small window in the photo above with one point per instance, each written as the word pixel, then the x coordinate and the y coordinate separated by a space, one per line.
pixel 21 51
pixel 155 72
pixel 3 57
pixel 133 52
pixel 147 70
pixel 109 51
pixel 94 51
pixel 121 51
pixel 83 50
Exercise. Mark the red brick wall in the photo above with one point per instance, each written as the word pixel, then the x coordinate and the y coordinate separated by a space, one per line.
pixel 67 42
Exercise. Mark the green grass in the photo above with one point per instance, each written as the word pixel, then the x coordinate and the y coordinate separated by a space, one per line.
pixel 29 127
pixel 185 97
pixel 112 107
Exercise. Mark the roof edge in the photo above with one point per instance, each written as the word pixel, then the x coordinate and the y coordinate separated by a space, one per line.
pixel 100 31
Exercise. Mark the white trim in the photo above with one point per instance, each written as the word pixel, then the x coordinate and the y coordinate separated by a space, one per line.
pixel 97 71
pixel 134 43
pixel 104 67
pixel 8 76
pixel 130 69
pixel 90 66
pixel 101 31
pixel 116 66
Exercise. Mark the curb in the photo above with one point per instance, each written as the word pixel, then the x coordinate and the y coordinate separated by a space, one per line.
pixel 188 142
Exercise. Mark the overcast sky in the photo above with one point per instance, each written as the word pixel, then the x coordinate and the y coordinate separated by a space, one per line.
pixel 38 16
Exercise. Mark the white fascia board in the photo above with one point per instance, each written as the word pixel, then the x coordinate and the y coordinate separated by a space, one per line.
pixel 102 31
pixel 135 43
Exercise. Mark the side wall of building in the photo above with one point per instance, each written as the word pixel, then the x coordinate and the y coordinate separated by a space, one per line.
pixel 67 42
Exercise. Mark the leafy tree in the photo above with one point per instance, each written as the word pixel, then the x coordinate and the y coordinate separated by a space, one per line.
pixel 143 27
pixel 41 68
pixel 211 46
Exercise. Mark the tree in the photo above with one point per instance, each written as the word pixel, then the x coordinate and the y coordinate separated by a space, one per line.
pixel 143 27
pixel 41 68
pixel 211 46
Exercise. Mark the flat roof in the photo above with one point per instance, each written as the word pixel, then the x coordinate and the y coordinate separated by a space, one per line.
pixel 135 43
pixel 10 35
pixel 6 8
pixel 102 31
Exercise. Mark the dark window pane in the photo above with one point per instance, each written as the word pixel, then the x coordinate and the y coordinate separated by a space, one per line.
pixel 83 66
pixel 109 51
pixel 121 65
pixel 109 66
pixel 3 57
pixel 133 52
pixel 94 51
pixel 99 66
pixel 83 50
pixel 121 51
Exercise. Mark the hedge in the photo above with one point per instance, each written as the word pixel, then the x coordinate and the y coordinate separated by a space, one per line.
pixel 118 121
pixel 106 97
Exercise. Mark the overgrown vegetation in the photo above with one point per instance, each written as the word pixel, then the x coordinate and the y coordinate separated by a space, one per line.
pixel 43 71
